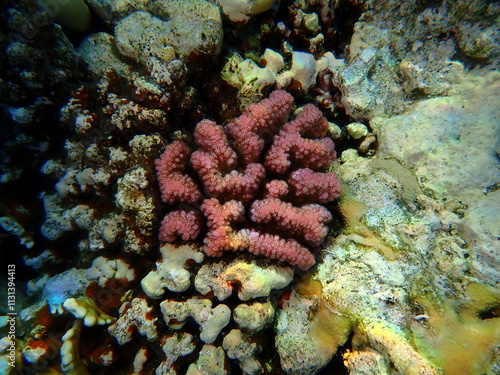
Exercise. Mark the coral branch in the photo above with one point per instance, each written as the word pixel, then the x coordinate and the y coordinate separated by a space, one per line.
pixel 184 224
pixel 276 189
pixel 212 140
pixel 175 186
pixel 258 122
pixel 304 223
pixel 234 185
pixel 274 247
pixel 222 237
pixel 306 184
pixel 216 161
pixel 290 146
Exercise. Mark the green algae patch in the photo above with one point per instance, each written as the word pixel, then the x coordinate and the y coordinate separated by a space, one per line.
pixel 455 337
pixel 328 330
pixel 353 212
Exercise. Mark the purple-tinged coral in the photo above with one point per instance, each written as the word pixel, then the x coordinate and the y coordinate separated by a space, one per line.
pixel 236 169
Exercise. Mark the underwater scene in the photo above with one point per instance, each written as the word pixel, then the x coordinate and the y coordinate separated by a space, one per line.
pixel 250 187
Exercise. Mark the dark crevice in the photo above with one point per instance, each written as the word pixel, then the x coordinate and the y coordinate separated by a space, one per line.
pixel 339 33
pixel 97 24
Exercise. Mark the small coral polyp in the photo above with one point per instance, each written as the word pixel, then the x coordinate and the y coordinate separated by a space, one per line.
pixel 262 181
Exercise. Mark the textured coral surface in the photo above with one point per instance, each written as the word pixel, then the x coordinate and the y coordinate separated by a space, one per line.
pixel 407 258
pixel 243 161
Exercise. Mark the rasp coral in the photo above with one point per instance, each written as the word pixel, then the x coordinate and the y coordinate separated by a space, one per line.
pixel 263 181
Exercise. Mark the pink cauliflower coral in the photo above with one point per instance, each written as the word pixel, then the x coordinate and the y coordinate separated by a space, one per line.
pixel 261 183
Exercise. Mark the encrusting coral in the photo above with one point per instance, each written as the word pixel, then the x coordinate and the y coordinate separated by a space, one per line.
pixel 234 166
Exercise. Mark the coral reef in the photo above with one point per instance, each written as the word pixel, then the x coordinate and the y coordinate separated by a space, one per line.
pixel 189 30
pixel 39 69
pixel 107 129
pixel 397 52
pixel 471 177
pixel 299 149
pixel 407 241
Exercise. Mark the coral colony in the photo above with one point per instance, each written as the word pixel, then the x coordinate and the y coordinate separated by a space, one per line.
pixel 245 187
pixel 171 202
